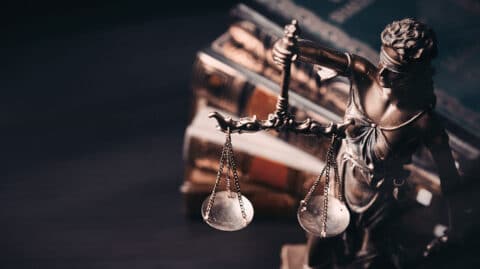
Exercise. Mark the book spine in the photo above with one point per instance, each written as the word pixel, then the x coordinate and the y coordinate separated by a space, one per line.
pixel 209 83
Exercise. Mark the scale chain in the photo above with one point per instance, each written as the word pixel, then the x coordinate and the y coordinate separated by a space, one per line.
pixel 307 198
pixel 330 162
pixel 338 182
pixel 326 189
pixel 217 180
pixel 229 164
pixel 235 177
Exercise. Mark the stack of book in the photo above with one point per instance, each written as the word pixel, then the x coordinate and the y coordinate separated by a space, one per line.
pixel 236 76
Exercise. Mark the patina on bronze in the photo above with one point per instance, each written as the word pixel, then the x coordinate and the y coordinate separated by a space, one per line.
pixel 391 105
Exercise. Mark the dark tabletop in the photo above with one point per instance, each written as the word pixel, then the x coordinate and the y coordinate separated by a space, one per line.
pixel 94 104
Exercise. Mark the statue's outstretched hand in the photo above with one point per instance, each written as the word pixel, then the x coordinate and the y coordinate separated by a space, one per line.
pixel 283 53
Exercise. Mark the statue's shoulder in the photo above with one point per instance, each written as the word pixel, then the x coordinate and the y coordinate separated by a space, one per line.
pixel 360 67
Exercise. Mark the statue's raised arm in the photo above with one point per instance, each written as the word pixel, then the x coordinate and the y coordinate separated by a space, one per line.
pixel 343 63
pixel 281 119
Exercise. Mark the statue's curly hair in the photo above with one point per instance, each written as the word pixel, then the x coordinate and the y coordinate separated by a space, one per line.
pixel 412 40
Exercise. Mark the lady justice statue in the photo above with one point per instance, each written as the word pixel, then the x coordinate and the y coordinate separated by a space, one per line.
pixel 391 105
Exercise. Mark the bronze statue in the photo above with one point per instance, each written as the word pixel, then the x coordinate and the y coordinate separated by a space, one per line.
pixel 391 105
pixel 389 115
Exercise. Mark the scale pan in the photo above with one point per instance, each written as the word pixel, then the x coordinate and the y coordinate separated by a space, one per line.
pixel 310 219
pixel 225 213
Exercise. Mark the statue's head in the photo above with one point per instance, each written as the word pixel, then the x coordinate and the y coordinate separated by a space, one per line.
pixel 408 47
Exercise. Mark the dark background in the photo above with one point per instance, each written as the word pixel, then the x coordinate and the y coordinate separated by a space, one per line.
pixel 94 102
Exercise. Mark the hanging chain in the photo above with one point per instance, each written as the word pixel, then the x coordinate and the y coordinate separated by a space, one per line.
pixel 236 180
pixel 227 154
pixel 338 182
pixel 331 162
pixel 307 198
pixel 229 164
pixel 326 187
pixel 217 180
